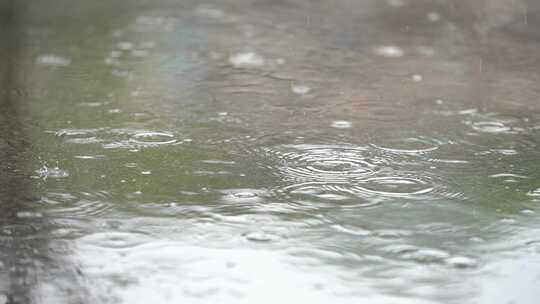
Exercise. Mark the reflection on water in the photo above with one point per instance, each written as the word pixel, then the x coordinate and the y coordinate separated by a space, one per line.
pixel 260 151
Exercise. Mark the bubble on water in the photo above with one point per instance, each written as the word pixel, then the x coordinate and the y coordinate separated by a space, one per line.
pixel 243 196
pixel 53 60
pixel 527 211
pixel 146 172
pixel 300 89
pixel 248 59
pixel 51 172
pixel 461 262
pixel 389 51
pixel 433 16
pixel 124 45
pixel 417 77
pixel 341 124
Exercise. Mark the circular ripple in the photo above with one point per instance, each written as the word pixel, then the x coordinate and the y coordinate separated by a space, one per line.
pixel 84 204
pixel 491 127
pixel 115 240
pixel 411 145
pixel 326 163
pixel 148 138
pixel 395 186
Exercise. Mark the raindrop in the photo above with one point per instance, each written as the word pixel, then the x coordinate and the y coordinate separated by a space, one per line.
pixel 249 59
pixel 53 60
pixel 341 124
pixel 389 51
pixel 300 89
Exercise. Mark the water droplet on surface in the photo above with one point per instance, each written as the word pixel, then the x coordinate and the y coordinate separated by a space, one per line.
pixel 390 51
pixel 341 124
pixel 417 77
pixel 53 172
pixel 433 16
pixel 243 60
pixel 245 194
pixel 300 89
pixel 461 262
pixel 53 60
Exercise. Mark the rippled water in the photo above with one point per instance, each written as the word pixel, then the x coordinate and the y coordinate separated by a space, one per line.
pixel 255 151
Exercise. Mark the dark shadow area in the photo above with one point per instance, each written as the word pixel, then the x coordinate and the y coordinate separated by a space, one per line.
pixel 21 245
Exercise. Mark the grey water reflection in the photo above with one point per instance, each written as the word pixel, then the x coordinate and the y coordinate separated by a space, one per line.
pixel 254 151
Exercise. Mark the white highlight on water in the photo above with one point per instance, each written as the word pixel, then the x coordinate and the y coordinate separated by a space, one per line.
pixel 249 59
pixel 341 124
pixel 300 89
pixel 53 60
pixel 389 51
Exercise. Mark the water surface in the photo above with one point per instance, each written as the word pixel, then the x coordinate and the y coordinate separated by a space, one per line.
pixel 256 151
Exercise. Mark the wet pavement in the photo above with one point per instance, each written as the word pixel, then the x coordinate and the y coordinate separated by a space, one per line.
pixel 270 151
